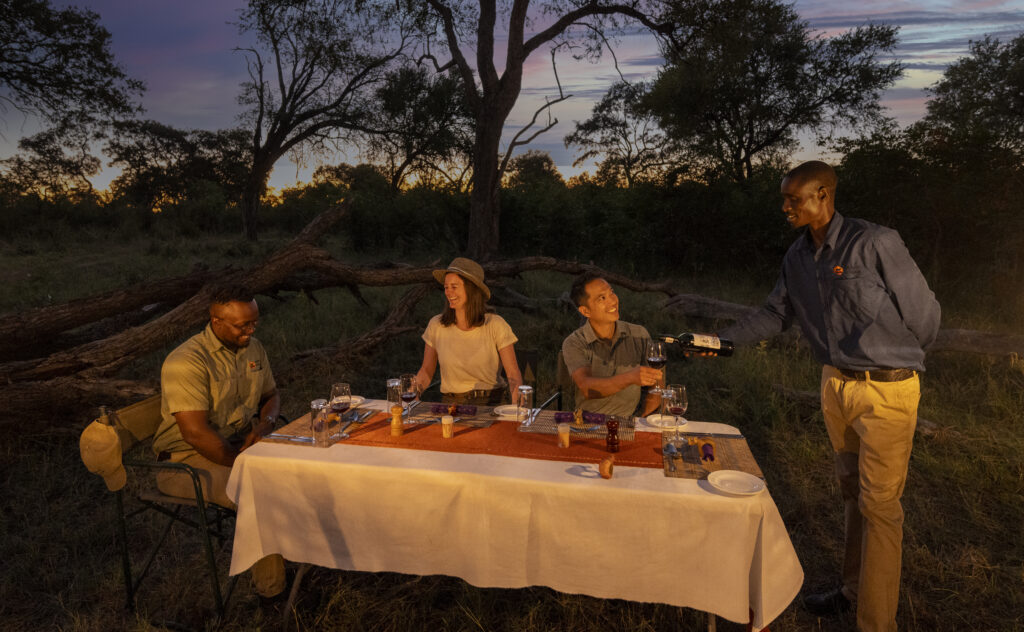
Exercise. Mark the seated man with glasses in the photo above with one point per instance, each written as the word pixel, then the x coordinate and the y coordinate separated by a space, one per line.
pixel 218 398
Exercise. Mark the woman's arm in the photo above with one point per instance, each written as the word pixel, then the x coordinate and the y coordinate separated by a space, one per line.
pixel 508 360
pixel 426 372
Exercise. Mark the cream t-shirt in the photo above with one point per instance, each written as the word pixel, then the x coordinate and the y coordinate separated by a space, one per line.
pixel 469 359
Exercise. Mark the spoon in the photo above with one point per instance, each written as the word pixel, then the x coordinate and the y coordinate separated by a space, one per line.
pixel 670 451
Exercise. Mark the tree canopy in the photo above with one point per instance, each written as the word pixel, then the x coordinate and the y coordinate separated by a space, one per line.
pixel 753 75
pixel 626 137
pixel 57 61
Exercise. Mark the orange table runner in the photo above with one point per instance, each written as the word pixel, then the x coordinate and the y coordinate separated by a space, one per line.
pixel 500 439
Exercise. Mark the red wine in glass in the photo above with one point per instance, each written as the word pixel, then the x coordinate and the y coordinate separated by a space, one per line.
pixel 657 362
pixel 339 406
pixel 408 397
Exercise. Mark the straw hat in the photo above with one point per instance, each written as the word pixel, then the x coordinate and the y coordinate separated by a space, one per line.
pixel 468 269
pixel 101 452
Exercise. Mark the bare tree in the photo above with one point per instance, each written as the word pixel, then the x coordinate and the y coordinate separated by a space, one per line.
pixel 455 26
pixel 312 69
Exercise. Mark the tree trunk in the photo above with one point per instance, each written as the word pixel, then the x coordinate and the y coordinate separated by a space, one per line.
pixel 252 195
pixel 484 203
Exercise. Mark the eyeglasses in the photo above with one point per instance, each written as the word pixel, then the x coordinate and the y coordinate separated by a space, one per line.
pixel 249 326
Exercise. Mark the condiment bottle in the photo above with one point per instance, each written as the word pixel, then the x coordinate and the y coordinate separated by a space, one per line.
pixel 612 440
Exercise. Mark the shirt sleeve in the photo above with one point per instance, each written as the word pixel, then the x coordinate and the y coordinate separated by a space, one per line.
pixel 575 354
pixel 430 333
pixel 908 288
pixel 501 332
pixel 184 384
pixel 773 317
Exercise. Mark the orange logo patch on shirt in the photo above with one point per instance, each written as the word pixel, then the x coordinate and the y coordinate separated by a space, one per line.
pixel 255 365
pixel 838 270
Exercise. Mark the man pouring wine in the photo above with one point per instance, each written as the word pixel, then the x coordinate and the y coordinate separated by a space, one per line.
pixel 868 315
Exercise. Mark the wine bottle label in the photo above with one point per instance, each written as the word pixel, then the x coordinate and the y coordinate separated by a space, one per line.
pixel 708 342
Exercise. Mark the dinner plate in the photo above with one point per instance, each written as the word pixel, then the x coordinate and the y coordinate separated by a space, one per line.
pixel 508 410
pixel 666 421
pixel 736 482
pixel 354 401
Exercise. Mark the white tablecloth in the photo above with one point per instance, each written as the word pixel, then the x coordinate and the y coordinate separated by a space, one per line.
pixel 511 522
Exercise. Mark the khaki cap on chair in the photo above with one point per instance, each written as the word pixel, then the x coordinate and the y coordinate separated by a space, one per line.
pixel 101 452
pixel 466 268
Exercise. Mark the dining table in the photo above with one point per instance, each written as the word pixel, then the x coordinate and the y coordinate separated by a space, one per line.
pixel 500 505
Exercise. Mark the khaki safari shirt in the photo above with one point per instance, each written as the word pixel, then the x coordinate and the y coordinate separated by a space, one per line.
pixel 203 374
pixel 624 352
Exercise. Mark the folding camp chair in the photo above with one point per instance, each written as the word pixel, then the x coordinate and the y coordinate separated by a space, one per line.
pixel 135 426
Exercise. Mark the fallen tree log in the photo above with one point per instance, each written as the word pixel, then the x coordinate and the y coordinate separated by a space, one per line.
pixel 24 328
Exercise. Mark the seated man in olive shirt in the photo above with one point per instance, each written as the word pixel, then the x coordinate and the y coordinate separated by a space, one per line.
pixel 605 356
pixel 218 398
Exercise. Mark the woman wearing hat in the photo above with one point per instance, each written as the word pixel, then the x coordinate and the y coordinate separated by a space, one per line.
pixel 470 342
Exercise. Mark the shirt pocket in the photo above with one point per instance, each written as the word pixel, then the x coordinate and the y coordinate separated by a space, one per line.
pixel 857 294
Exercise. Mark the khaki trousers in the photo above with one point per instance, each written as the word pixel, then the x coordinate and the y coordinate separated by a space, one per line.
pixel 267 573
pixel 871 427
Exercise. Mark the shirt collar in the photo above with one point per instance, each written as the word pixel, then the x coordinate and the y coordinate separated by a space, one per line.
pixel 211 341
pixel 590 336
pixel 831 233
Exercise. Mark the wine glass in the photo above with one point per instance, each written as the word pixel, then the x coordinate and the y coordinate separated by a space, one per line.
pixel 341 398
pixel 656 359
pixel 338 404
pixel 677 403
pixel 408 390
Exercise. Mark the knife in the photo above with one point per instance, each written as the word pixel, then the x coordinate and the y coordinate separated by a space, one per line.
pixel 296 438
pixel 723 435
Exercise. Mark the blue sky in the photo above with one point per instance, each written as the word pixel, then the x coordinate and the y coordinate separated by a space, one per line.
pixel 183 50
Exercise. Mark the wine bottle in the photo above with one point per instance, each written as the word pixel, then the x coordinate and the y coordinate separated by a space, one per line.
pixel 700 343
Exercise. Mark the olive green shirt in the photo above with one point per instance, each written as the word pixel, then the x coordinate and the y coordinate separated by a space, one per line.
pixel 203 374
pixel 606 358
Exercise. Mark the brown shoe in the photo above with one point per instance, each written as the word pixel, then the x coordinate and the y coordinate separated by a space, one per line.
pixel 827 604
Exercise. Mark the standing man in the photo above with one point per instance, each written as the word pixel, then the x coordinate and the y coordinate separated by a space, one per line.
pixel 605 356
pixel 868 315
pixel 218 398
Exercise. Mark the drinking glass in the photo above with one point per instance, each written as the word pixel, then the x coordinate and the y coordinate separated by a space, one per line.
pixel 318 423
pixel 394 389
pixel 524 404
pixel 656 359
pixel 676 404
pixel 408 390
pixel 341 399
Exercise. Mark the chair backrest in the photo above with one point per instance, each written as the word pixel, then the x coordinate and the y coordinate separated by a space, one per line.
pixel 527 360
pixel 565 384
pixel 138 422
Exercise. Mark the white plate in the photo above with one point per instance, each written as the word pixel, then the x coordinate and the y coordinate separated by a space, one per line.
pixel 666 421
pixel 736 482
pixel 354 401
pixel 508 411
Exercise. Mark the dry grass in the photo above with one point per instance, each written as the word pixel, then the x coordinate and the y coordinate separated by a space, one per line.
pixel 963 557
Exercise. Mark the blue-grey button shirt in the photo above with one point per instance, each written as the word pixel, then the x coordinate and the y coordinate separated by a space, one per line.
pixel 860 299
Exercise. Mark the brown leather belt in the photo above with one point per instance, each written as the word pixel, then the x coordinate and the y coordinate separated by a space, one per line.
pixel 879 375
pixel 484 392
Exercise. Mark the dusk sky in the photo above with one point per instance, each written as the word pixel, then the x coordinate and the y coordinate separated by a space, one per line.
pixel 183 51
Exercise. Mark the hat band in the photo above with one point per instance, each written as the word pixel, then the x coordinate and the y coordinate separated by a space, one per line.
pixel 464 273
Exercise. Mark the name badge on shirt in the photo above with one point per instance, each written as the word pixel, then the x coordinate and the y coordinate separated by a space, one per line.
pixel 255 365
pixel 838 270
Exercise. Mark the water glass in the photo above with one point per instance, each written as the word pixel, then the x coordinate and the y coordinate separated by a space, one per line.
pixel 318 423
pixel 524 404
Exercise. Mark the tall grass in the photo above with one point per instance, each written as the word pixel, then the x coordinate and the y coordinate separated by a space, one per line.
pixel 963 558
